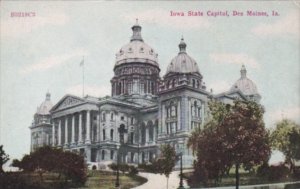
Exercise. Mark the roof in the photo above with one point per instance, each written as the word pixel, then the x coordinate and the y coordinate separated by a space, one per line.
pixel 45 107
pixel 136 50
pixel 246 85
pixel 182 63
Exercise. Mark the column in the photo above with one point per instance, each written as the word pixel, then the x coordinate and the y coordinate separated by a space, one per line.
pixel 189 110
pixel 154 133
pixel 80 128
pixel 53 134
pixel 98 127
pixel 66 130
pixel 88 128
pixel 73 129
pixel 147 134
pixel 59 132
pixel 163 119
pixel 178 116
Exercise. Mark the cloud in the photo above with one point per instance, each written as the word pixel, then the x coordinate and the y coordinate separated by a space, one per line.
pixel 89 90
pixel 13 27
pixel 220 86
pixel 162 17
pixel 232 58
pixel 52 61
pixel 288 25
pixel 286 113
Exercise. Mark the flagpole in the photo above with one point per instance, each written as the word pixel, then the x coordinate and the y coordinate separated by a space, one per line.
pixel 83 77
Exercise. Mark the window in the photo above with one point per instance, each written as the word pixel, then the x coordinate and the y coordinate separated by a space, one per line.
pixel 132 120
pixel 112 116
pixel 103 155
pixel 111 134
pixel 131 138
pixel 111 154
pixel 173 111
pixel 122 118
pixel 198 84
pixel 103 116
pixel 103 134
pixel 194 83
pixel 173 83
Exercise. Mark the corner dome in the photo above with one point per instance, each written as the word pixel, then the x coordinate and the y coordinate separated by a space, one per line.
pixel 136 50
pixel 246 85
pixel 45 107
pixel 182 63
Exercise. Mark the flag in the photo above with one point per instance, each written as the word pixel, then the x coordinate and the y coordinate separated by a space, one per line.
pixel 82 62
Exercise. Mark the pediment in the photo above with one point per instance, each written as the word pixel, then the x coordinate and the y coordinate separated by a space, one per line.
pixel 67 101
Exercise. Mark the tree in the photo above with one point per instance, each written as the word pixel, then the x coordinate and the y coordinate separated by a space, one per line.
pixel 50 159
pixel 235 136
pixel 166 161
pixel 3 158
pixel 286 138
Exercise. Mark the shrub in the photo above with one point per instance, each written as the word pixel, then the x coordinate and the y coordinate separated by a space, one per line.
pixel 133 170
pixel 273 173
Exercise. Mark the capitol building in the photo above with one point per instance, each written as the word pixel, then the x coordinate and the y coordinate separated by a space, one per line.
pixel 143 112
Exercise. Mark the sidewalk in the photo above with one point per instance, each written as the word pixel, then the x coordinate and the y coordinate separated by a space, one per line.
pixel 157 181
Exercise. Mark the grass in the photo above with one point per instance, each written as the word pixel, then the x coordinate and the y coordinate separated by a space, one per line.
pixel 106 180
pixel 95 180
pixel 246 178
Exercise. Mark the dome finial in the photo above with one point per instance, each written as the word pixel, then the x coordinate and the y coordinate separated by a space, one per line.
pixel 243 71
pixel 48 96
pixel 136 29
pixel 182 45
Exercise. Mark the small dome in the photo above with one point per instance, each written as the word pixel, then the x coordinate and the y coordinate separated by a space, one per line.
pixel 246 85
pixel 45 107
pixel 183 63
pixel 136 50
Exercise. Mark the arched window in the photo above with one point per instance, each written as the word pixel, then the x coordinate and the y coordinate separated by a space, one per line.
pixel 103 155
pixel 173 111
pixel 112 116
pixel 103 133
pixel 173 83
pixel 111 154
pixel 132 121
pixel 131 138
pixel 194 83
pixel 103 116
pixel 111 134
pixel 119 88
pixel 195 108
pixel 198 84
pixel 168 84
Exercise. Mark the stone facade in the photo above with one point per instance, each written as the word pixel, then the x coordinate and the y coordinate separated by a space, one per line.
pixel 143 112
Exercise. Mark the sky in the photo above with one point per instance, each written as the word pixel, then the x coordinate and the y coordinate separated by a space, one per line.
pixel 43 52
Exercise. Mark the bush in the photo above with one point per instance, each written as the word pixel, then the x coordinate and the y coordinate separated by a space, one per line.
pixel 273 173
pixel 133 170
pixel 113 166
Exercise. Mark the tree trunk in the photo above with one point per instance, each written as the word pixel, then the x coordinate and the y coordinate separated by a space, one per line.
pixel 237 176
pixel 167 182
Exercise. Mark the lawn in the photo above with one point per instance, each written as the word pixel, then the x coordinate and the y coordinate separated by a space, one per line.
pixel 106 180
pixel 246 178
pixel 95 180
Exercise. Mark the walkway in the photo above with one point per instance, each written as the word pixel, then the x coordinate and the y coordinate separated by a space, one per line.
pixel 158 181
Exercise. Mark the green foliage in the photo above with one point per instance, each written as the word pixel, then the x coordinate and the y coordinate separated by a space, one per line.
pixel 132 170
pixel 167 160
pixel 235 136
pixel 3 158
pixel 286 138
pixel 47 159
pixel 273 173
